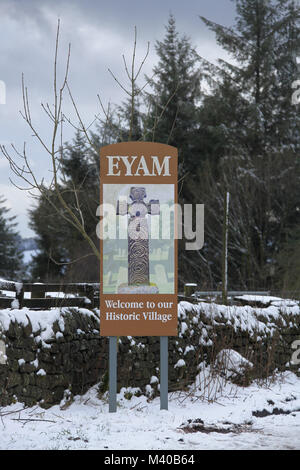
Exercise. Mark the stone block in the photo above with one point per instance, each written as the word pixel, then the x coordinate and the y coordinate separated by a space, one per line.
pixel 14 379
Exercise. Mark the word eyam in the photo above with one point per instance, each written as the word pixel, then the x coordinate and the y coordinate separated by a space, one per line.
pixel 137 166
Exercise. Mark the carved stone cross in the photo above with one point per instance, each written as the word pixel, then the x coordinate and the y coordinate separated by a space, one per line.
pixel 138 234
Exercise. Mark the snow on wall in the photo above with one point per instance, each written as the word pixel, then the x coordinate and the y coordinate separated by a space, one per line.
pixel 42 321
pixel 245 318
pixel 47 352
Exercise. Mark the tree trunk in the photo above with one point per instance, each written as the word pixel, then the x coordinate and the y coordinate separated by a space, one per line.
pixel 225 249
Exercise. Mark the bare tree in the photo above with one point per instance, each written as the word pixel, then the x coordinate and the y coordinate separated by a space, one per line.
pixel 20 162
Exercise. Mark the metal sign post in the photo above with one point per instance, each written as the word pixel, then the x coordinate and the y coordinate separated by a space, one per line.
pixel 163 372
pixel 112 374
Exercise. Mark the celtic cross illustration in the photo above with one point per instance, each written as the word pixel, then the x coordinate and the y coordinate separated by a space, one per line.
pixel 138 234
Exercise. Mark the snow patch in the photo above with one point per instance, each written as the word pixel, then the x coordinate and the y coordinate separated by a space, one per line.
pixel 231 364
pixel 180 363
pixel 188 349
pixel 154 380
pixel 15 304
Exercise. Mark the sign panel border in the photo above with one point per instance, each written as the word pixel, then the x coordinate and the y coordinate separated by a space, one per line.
pixel 140 327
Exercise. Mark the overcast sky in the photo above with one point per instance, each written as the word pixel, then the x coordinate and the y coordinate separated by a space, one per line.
pixel 99 33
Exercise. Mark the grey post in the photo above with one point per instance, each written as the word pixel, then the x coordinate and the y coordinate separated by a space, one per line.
pixel 112 374
pixel 163 372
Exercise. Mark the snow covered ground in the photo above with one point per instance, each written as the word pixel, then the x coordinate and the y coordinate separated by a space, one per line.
pixel 256 417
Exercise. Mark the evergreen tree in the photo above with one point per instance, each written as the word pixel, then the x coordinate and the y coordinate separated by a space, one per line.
pixel 288 260
pixel 130 118
pixel 251 130
pixel 172 111
pixel 52 235
pixel 59 243
pixel 75 164
pixel 10 254
pixel 257 90
pixel 175 97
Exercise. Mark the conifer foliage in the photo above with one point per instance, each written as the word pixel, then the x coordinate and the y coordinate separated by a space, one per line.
pixel 175 97
pixel 257 131
pixel 10 254
pixel 242 137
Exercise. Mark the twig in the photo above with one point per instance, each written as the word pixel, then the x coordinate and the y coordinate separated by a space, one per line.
pixel 12 412
pixel 26 420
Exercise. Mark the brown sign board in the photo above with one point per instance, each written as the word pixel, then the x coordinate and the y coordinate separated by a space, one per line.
pixel 138 243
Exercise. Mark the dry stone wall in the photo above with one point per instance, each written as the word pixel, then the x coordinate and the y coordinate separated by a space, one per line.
pixel 48 355
pixel 48 352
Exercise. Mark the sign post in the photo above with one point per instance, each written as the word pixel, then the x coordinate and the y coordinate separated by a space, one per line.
pixel 138 294
pixel 112 374
pixel 164 373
